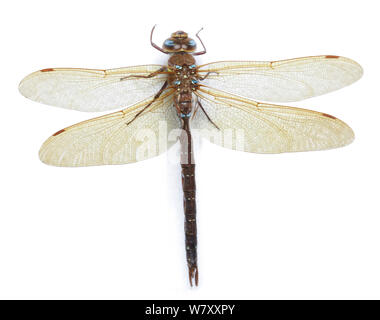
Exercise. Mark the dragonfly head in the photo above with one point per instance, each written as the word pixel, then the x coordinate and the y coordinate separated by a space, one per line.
pixel 179 42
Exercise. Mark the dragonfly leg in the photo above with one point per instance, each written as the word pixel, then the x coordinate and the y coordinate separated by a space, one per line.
pixel 209 119
pixel 207 74
pixel 153 44
pixel 196 108
pixel 150 103
pixel 204 48
pixel 151 75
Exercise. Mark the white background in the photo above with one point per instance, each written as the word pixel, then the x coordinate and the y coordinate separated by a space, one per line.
pixel 302 225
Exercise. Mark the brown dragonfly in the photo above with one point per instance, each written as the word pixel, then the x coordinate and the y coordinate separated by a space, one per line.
pixel 157 98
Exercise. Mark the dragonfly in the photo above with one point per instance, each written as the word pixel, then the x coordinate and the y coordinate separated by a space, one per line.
pixel 219 100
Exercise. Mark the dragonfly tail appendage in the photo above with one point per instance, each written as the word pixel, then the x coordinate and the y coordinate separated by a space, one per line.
pixel 193 274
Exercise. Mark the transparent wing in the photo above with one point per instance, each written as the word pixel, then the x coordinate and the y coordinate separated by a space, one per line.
pixel 282 81
pixel 250 126
pixel 90 89
pixel 113 139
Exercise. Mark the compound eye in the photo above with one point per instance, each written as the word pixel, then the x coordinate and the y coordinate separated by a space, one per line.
pixel 189 45
pixel 169 43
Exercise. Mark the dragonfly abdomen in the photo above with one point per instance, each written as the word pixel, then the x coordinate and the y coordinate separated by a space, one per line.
pixel 189 204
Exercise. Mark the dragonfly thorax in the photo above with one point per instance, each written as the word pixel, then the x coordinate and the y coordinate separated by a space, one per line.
pixel 184 79
pixel 180 59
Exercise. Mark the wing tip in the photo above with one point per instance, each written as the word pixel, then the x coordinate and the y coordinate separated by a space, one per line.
pixel 347 133
pixel 360 70
pixel 22 86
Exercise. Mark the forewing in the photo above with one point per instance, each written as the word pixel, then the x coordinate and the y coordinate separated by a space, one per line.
pixel 282 81
pixel 113 139
pixel 91 89
pixel 250 126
